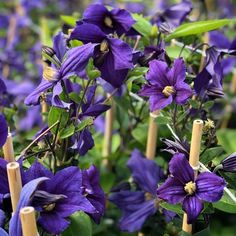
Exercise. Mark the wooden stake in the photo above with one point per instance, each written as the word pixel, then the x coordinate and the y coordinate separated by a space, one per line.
pixel 194 160
pixel 152 136
pixel 205 40
pixel 15 184
pixel 107 145
pixel 8 150
pixel 28 222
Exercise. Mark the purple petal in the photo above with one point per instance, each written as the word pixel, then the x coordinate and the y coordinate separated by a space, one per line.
pixel 180 168
pixel 193 207
pixel 145 172
pixel 210 187
pixel 149 90
pixel 177 72
pixel 3 130
pixel 59 45
pixel 3 232
pixel 56 100
pixel 219 40
pixel 183 92
pixel 122 54
pixel 171 191
pixel 159 101
pixel 53 223
pixel 87 33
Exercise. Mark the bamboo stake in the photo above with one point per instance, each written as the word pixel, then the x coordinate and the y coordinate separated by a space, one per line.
pixel 28 221
pixel 8 150
pixel 107 145
pixel 194 160
pixel 15 184
pixel 152 136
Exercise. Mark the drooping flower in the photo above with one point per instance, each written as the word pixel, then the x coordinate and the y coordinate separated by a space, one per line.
pixel 112 56
pixel 59 197
pixel 76 61
pixel 116 20
pixel 138 205
pixel 166 85
pixel 3 130
pixel 229 163
pixel 93 192
pixel 183 187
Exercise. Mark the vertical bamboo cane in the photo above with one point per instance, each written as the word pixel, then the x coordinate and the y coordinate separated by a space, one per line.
pixel 28 221
pixel 107 145
pixel 15 184
pixel 194 160
pixel 152 136
pixel 8 150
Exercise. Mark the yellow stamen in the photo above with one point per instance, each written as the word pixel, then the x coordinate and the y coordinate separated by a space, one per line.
pixel 49 207
pixel 108 22
pixel 49 73
pixel 168 90
pixel 104 46
pixel 148 196
pixel 190 188
pixel 208 125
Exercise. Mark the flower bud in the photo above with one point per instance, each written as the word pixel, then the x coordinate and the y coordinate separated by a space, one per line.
pixel 48 51
pixel 229 163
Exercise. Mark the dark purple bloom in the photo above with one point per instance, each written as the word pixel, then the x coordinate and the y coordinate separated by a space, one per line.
pixel 191 192
pixel 166 85
pixel 3 130
pixel 76 61
pixel 93 192
pixel 3 232
pixel 210 79
pixel 174 14
pixel 116 20
pixel 112 56
pixel 139 205
pixel 229 163
pixel 59 197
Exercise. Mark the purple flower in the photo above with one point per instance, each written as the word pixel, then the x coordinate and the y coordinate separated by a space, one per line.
pixel 76 61
pixel 166 85
pixel 93 192
pixel 229 163
pixel 117 20
pixel 59 197
pixel 175 14
pixel 183 187
pixel 210 79
pixel 3 130
pixel 139 205
pixel 112 56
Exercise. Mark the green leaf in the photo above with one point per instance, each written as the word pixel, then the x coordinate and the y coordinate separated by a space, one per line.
pixel 142 25
pixel 75 97
pixel 67 132
pixel 175 208
pixel 56 114
pixel 198 27
pixel 80 225
pixel 208 104
pixel 84 124
pixel 210 154
pixel 227 138
pixel 226 204
pixel 161 120
pixel 70 20
pixel 194 103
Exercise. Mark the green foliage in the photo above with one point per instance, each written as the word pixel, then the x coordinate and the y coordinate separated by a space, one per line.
pixel 210 154
pixel 67 131
pixel 80 225
pixel 227 138
pixel 70 20
pixel 198 28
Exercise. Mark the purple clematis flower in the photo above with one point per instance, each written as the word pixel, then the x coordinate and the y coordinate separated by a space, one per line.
pixel 59 197
pixel 112 56
pixel 75 62
pixel 93 192
pixel 229 163
pixel 175 14
pixel 183 187
pixel 116 20
pixel 3 130
pixel 166 85
pixel 139 205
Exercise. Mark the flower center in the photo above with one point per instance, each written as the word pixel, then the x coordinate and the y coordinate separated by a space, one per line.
pixel 104 46
pixel 49 207
pixel 148 196
pixel 108 22
pixel 49 74
pixel 168 90
pixel 190 188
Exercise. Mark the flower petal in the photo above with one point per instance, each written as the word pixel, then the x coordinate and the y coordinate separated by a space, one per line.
pixel 180 168
pixel 210 187
pixel 177 72
pixel 145 172
pixel 183 92
pixel 171 191
pixel 59 45
pixel 3 130
pixel 159 101
pixel 193 207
